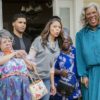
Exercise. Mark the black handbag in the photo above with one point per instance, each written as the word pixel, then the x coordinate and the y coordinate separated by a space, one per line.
pixel 66 88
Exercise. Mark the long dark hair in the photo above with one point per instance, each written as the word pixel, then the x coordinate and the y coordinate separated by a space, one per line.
pixel 46 31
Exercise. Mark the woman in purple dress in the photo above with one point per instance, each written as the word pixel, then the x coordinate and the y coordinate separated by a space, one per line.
pixel 14 82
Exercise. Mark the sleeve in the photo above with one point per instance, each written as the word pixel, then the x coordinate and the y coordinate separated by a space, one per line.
pixel 36 45
pixel 75 65
pixel 34 49
pixel 31 55
pixel 57 64
pixel 81 65
pixel 54 60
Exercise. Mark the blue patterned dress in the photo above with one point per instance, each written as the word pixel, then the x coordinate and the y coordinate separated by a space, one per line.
pixel 14 87
pixel 67 62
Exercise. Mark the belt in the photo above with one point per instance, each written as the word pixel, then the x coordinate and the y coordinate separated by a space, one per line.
pixel 12 74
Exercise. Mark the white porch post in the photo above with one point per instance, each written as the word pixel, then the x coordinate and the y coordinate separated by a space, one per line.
pixel 1 15
pixel 78 5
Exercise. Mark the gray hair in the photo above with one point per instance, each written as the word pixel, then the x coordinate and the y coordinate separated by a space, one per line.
pixel 6 34
pixel 83 18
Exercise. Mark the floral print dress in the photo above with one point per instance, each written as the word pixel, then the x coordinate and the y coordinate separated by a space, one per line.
pixel 14 87
pixel 68 62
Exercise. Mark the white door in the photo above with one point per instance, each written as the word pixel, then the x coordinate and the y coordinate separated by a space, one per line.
pixel 69 12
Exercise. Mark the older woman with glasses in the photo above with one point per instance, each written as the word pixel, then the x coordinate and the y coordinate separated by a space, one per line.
pixel 14 81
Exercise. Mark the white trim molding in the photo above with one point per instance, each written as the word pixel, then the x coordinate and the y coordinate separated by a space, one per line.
pixel 78 5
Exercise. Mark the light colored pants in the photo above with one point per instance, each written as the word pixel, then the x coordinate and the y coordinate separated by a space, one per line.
pixel 47 84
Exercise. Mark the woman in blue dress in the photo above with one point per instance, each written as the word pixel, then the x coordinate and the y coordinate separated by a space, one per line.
pixel 14 82
pixel 88 52
pixel 65 66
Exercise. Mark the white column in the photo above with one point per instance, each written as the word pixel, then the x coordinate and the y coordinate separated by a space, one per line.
pixel 1 15
pixel 78 5
pixel 55 7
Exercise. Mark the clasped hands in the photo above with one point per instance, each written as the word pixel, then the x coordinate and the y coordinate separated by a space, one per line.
pixel 23 54
pixel 20 54
pixel 64 73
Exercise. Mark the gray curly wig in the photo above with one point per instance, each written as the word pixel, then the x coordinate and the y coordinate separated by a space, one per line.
pixel 5 33
pixel 83 16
